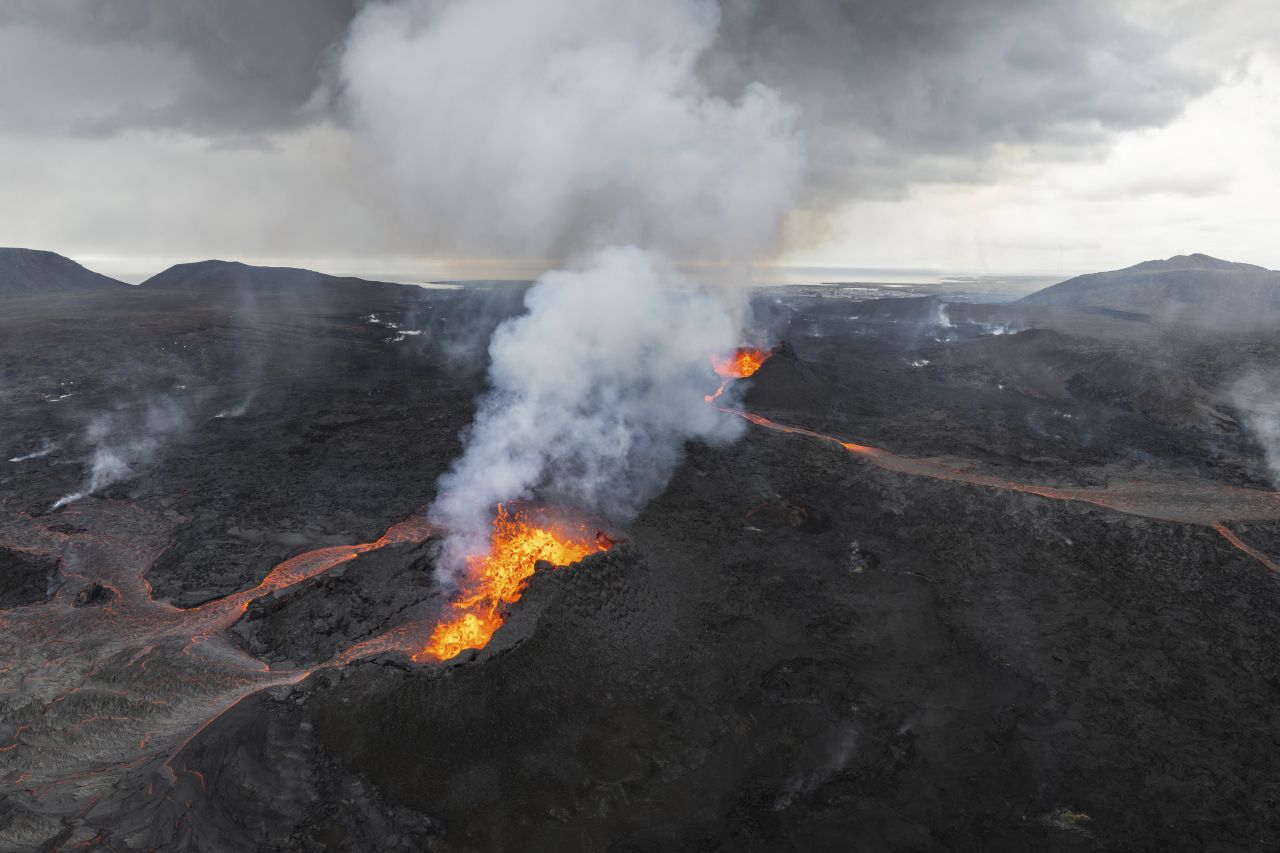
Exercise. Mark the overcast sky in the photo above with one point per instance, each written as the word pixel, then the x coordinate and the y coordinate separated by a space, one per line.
pixel 966 135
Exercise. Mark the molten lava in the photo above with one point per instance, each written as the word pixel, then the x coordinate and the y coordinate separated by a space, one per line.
pixel 498 578
pixel 743 363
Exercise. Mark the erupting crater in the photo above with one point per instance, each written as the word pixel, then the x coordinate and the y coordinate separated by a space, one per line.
pixel 496 579
pixel 743 362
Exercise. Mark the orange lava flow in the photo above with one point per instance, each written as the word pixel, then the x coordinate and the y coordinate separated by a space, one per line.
pixel 306 566
pixel 743 363
pixel 1240 545
pixel 499 578
pixel 1202 503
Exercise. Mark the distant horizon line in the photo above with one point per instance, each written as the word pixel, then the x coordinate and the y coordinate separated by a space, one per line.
pixel 135 269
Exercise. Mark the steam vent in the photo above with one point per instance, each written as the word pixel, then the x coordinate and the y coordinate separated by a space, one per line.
pixel 508 426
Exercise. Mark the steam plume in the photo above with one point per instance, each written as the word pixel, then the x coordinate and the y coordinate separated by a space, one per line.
pixel 571 128
pixel 46 448
pixel 543 129
pixel 1257 398
pixel 595 389
pixel 239 410
pixel 124 442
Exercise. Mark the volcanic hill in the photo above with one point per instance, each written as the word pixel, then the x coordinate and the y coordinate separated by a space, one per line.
pixel 29 272
pixel 1194 289
pixel 235 277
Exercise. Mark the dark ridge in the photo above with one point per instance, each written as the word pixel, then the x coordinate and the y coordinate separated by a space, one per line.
pixel 235 277
pixel 31 272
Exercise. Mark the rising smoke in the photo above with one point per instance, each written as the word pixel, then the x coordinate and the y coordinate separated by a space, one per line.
pixel 540 130
pixel 1256 397
pixel 576 129
pixel 47 448
pixel 125 441
pixel 595 390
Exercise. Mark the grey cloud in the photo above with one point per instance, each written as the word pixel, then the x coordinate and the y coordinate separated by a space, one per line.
pixel 884 84
pixel 890 93
pixel 208 67
pixel 879 81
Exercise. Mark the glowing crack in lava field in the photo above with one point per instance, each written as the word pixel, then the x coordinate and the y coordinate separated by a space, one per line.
pixel 1204 503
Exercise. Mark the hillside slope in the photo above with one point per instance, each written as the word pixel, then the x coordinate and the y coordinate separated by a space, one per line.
pixel 1194 289
pixel 235 277
pixel 30 272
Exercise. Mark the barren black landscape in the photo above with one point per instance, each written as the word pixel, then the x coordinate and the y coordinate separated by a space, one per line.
pixel 505 426
pixel 1029 603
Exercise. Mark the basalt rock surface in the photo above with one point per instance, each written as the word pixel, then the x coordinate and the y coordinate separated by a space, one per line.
pixel 312 622
pixel 795 647
pixel 25 578
pixel 1009 673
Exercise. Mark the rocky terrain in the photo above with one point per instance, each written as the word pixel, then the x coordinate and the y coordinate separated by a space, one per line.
pixel 977 577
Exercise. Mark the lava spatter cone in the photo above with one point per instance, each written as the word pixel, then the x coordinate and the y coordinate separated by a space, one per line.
pixel 739 364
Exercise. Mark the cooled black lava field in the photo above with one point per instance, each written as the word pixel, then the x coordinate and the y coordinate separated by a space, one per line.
pixel 1031 605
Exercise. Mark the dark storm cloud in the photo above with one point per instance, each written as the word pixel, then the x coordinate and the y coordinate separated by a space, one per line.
pixel 209 67
pixel 939 83
pixel 883 84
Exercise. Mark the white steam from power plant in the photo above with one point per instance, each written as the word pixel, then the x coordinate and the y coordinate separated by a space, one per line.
pixel 576 129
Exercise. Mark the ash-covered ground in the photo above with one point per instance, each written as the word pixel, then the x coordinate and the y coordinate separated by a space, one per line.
pixel 1039 615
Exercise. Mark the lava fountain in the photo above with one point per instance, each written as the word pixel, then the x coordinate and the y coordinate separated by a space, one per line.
pixel 498 578
pixel 744 362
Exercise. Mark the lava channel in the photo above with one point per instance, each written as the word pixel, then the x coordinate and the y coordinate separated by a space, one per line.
pixel 1189 501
